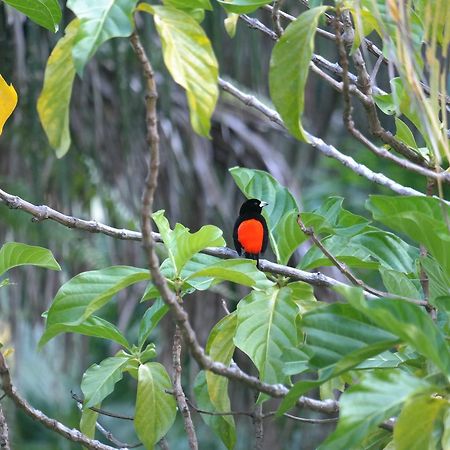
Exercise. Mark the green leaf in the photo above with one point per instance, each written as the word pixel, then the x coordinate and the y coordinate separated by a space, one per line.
pixel 370 250
pixel 303 296
pixel 87 422
pixel 14 254
pixel 261 185
pixel 99 380
pixel 155 409
pixel 107 20
pixel 189 4
pixel 87 292
pixel 242 6
pixel 46 13
pixel 54 100
pixel 398 283
pixel 289 67
pixel 190 59
pixel 230 24
pixel 405 134
pixel 151 318
pixel 415 424
pixel 220 347
pixel 439 282
pixel 93 326
pixel 223 426
pixel 266 329
pixel 183 245
pixel 364 406
pixel 407 321
pixel 240 271
pixel 338 338
pixel 420 218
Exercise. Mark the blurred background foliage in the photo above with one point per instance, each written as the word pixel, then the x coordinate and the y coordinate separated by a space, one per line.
pixel 102 176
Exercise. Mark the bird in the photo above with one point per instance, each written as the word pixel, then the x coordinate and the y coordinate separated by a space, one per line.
pixel 250 233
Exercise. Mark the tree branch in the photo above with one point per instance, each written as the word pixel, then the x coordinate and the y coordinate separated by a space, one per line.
pixel 326 149
pixel 178 390
pixel 73 435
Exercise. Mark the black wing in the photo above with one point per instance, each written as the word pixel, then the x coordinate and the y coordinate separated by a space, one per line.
pixel 237 244
pixel 266 234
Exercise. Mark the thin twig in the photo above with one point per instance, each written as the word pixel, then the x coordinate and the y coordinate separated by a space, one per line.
pixel 73 435
pixel 101 411
pixel 303 419
pixel 258 425
pixel 276 17
pixel 108 435
pixel 178 390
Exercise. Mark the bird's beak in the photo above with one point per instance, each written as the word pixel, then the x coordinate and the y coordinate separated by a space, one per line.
pixel 262 204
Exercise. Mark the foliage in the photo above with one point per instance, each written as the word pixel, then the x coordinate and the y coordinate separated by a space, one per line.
pixel 390 352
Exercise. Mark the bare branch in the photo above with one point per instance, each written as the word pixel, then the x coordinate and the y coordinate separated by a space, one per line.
pixel 101 411
pixel 326 149
pixel 178 390
pixel 258 425
pixel 15 202
pixel 276 16
pixel 73 435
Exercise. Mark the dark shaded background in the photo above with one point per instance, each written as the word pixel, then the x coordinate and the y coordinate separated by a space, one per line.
pixel 101 178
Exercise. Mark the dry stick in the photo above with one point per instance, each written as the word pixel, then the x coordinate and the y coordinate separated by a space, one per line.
pixel 73 435
pixel 276 17
pixel 258 424
pixel 180 315
pixel 4 434
pixel 178 390
pixel 101 411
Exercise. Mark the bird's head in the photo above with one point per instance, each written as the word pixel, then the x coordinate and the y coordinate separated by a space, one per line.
pixel 252 206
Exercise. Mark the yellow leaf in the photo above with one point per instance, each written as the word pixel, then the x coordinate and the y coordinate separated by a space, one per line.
pixel 8 101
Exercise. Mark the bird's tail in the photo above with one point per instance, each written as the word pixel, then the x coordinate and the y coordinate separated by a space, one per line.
pixel 253 256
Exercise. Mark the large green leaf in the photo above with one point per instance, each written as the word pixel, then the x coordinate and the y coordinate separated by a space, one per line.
pixel 406 320
pixel 155 409
pixel 420 218
pixel 398 283
pixel 240 271
pixel 87 292
pixel 371 249
pixel 99 380
pixel 93 326
pixel 98 23
pixel 242 6
pixel 150 319
pixel 190 59
pixel 183 245
pixel 438 280
pixel 46 13
pixel 223 426
pixel 261 185
pixel 416 423
pixel 220 347
pixel 338 338
pixel 290 236
pixel 364 406
pixel 14 254
pixel 266 329
pixel 289 67
pixel 54 100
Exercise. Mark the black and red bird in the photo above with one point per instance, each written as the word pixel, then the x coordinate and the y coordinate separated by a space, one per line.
pixel 250 232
